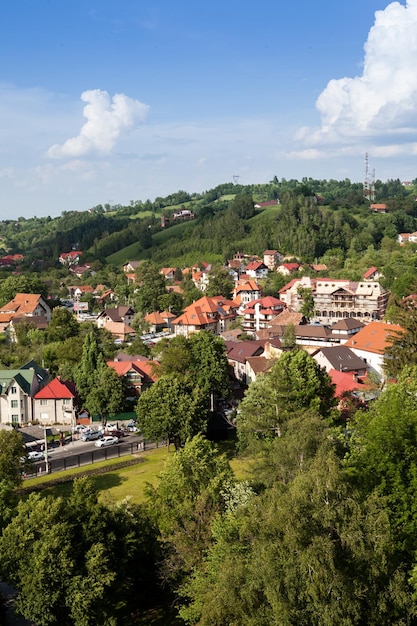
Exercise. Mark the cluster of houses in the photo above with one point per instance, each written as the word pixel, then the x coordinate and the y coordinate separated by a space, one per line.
pixel 348 337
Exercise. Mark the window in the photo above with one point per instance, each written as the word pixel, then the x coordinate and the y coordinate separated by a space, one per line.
pixel 14 404
pixel 44 402
pixel 67 401
pixel 15 419
pixel 14 389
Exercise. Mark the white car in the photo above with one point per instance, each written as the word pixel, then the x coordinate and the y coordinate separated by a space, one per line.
pixel 106 441
pixel 34 455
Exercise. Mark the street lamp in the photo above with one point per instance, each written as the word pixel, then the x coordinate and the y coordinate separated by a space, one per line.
pixel 46 452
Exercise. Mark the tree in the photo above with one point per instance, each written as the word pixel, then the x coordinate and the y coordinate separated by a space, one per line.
pixel 151 287
pixel 209 367
pixel 307 307
pixel 403 350
pixel 383 455
pixel 63 325
pixel 71 557
pixel 92 361
pixel 310 552
pixel 12 450
pixel 190 492
pixel 106 397
pixel 220 282
pixel 174 408
pixel 295 383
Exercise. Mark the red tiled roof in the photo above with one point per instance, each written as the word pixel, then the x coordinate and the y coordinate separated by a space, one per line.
pixel 57 389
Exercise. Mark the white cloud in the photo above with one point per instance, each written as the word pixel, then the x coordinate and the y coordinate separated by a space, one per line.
pixel 381 104
pixel 107 120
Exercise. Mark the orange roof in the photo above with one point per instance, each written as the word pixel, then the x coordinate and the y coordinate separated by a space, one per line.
pixel 146 369
pixel 247 285
pixel 22 303
pixel 375 337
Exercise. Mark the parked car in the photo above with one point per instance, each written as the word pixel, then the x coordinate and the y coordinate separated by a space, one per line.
pixel 92 435
pixel 115 432
pixel 108 440
pixel 132 428
pixel 34 455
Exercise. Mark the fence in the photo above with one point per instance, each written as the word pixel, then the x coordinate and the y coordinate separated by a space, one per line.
pixel 89 457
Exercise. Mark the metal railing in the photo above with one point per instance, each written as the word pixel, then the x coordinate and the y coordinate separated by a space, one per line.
pixel 73 461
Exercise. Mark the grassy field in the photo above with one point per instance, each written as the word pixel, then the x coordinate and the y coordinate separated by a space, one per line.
pixel 116 484
pixel 130 482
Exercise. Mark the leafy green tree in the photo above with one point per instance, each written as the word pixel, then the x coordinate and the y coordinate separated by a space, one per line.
pixel 294 383
pixel 289 337
pixel 151 287
pixel 220 282
pixel 210 367
pixel 63 325
pixel 307 307
pixel 174 408
pixel 70 558
pixel 244 206
pixel 12 449
pixel 92 361
pixel 403 350
pixel 383 455
pixel 310 552
pixel 189 494
pixel 106 397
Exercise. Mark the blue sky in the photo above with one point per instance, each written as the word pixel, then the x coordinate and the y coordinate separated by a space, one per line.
pixel 112 101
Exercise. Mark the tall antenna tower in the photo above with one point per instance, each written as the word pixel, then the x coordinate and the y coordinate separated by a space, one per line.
pixel 236 178
pixel 368 182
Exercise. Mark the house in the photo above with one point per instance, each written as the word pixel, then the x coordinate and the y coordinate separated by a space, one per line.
pixel 337 298
pixel 79 291
pixel 26 305
pixel 119 314
pixel 159 321
pixel 345 383
pixel 340 358
pixel 17 389
pixel 139 372
pixel 372 341
pixel 272 258
pixel 200 279
pixel 288 268
pixel 208 313
pixel 407 238
pixel 318 267
pixel 371 273
pixel 70 258
pixel 131 266
pixel 56 403
pixel 256 269
pixel 245 291
pixel 80 270
pixel 258 313
pixel 346 328
pixel 168 272
pixel 237 354
pixel 378 208
pixel 35 322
